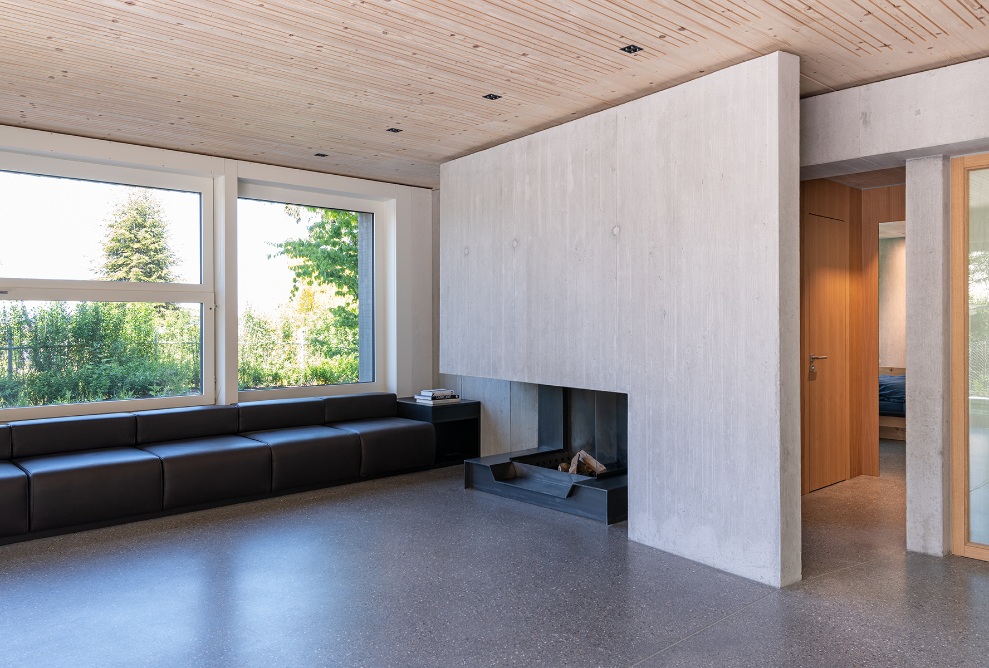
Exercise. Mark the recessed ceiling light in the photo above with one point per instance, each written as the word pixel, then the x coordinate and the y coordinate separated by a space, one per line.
pixel 320 155
pixel 492 96
pixel 394 129
pixel 631 48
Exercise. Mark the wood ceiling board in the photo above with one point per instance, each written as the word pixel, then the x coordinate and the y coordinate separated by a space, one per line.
pixel 277 80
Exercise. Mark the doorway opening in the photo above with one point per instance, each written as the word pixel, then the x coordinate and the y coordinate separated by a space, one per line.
pixel 852 333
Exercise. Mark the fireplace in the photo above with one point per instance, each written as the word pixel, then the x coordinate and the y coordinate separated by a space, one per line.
pixel 572 424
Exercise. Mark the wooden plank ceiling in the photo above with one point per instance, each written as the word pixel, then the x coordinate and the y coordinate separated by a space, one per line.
pixel 278 81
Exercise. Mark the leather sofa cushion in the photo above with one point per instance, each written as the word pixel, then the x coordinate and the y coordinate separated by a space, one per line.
pixel 4 441
pixel 83 487
pixel 280 413
pixel 217 468
pixel 34 438
pixel 174 424
pixel 392 444
pixel 360 407
pixel 306 456
pixel 13 500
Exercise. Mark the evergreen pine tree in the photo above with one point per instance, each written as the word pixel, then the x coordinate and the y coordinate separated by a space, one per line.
pixel 136 244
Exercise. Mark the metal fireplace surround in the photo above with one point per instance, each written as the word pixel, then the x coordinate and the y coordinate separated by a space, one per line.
pixel 569 420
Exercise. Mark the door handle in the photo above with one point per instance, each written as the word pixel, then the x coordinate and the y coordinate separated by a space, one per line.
pixel 816 357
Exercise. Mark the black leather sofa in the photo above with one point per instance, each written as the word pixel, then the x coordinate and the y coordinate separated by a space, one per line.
pixel 60 473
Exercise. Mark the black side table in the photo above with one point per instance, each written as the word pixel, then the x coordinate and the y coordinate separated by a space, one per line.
pixel 458 427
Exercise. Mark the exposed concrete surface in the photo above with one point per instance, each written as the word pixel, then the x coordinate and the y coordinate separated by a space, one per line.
pixel 651 249
pixel 883 124
pixel 928 355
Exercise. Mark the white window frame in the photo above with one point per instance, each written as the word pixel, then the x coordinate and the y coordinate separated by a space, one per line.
pixel 302 193
pixel 35 289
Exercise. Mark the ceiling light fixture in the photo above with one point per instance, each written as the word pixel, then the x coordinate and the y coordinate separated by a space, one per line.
pixel 320 155
pixel 394 129
pixel 631 48
pixel 492 96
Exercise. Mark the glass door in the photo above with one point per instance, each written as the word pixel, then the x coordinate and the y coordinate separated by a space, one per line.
pixel 970 356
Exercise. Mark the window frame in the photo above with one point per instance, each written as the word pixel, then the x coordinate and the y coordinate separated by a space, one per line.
pixel 93 290
pixel 290 192
pixel 404 358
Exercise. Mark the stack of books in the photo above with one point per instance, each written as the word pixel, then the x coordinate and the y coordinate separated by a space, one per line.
pixel 437 397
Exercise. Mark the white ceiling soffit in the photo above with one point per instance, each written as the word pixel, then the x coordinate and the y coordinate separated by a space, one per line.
pixel 279 81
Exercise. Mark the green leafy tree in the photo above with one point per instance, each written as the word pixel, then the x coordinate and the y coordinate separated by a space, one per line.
pixel 328 255
pixel 326 258
pixel 136 243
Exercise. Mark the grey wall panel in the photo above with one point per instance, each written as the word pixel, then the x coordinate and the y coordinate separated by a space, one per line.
pixel 703 226
pixel 525 416
pixel 496 412
pixel 684 309
pixel 541 258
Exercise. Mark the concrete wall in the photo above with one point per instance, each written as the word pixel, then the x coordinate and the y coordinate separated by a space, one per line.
pixel 892 302
pixel 883 124
pixel 649 249
pixel 928 356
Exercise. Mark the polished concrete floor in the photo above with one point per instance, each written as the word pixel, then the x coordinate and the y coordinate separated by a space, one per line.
pixel 417 571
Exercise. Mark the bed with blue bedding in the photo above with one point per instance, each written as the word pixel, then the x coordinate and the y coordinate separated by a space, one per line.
pixel 893 395
pixel 893 403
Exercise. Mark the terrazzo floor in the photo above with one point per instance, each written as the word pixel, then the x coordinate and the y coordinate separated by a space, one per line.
pixel 416 571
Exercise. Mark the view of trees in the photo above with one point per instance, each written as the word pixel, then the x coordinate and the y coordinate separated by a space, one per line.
pixel 67 352
pixel 978 325
pixel 312 339
pixel 62 352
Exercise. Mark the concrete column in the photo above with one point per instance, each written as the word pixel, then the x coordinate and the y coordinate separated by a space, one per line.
pixel 928 356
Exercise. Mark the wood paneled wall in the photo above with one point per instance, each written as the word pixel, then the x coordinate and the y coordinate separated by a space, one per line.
pixel 864 210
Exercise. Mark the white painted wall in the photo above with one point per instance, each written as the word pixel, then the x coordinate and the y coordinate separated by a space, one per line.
pixel 651 249
pixel 893 302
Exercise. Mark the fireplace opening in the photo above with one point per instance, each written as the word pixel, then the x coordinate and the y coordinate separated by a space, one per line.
pixel 573 421
pixel 580 465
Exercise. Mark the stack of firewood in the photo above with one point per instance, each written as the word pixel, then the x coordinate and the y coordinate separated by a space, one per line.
pixel 583 464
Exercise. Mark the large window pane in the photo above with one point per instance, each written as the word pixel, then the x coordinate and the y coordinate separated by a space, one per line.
pixel 70 352
pixel 978 371
pixel 304 292
pixel 71 229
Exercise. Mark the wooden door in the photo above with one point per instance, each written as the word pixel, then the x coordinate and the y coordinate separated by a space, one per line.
pixel 824 326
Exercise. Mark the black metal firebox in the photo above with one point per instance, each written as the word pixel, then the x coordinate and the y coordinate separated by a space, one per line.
pixel 570 420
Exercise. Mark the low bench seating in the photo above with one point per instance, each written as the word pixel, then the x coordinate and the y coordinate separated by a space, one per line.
pixel 13 490
pixel 303 450
pixel 84 469
pixel 76 471
pixel 388 442
pixel 203 460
